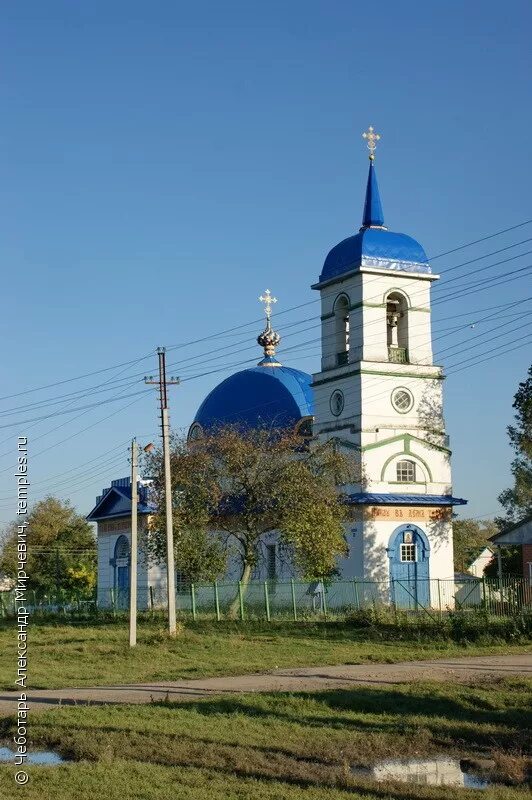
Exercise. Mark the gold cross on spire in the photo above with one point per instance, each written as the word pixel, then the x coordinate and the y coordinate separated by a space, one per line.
pixel 268 301
pixel 372 139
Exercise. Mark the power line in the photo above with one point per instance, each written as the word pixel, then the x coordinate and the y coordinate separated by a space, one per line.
pixel 77 378
pixel 73 410
pixel 255 321
pixel 77 433
pixel 128 364
pixel 483 239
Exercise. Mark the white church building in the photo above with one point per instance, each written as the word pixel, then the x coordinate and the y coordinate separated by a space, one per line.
pixel 378 394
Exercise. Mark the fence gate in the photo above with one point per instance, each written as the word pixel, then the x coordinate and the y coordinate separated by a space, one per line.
pixel 409 567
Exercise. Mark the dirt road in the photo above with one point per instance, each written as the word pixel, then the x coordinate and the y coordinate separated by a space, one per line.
pixel 303 679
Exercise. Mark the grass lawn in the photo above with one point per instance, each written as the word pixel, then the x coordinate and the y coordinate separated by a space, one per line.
pixel 279 746
pixel 64 655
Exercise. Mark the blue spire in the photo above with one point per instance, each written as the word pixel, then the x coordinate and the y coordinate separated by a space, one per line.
pixel 373 216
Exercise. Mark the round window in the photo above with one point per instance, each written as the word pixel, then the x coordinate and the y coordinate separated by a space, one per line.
pixel 337 402
pixel 402 400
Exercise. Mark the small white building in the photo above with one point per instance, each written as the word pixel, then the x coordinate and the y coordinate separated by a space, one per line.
pixel 480 561
pixel 112 515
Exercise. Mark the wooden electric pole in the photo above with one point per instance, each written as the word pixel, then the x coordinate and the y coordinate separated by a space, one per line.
pixel 133 549
pixel 165 420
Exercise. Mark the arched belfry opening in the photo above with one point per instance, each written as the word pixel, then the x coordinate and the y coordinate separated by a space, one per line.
pixel 341 321
pixel 397 327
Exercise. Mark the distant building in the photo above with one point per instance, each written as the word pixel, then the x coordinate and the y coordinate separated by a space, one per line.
pixel 519 534
pixel 479 562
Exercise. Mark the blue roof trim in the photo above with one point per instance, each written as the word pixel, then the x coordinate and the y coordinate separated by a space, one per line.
pixel 378 249
pixel 367 498
pixel 116 502
pixel 261 396
pixel 372 206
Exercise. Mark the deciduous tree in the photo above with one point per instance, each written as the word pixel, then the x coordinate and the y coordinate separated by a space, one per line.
pixel 470 536
pixel 61 548
pixel 517 500
pixel 231 488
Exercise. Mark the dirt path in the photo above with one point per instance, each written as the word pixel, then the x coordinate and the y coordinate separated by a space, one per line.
pixel 303 679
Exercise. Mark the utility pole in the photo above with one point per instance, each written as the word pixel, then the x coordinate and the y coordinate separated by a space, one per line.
pixel 133 548
pixel 165 420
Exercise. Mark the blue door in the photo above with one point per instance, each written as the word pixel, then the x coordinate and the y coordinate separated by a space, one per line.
pixel 122 572
pixel 409 567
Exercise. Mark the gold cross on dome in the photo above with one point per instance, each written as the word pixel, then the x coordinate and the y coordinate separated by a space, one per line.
pixel 268 301
pixel 372 139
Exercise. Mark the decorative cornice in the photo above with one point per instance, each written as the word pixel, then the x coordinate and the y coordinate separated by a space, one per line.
pixel 351 373
pixel 407 438
pixel 365 304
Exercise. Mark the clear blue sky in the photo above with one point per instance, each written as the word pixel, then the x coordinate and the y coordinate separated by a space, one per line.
pixel 162 163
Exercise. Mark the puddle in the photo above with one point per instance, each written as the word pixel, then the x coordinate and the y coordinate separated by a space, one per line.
pixel 47 757
pixel 428 772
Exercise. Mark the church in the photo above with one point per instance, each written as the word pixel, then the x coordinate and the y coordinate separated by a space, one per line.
pixel 378 394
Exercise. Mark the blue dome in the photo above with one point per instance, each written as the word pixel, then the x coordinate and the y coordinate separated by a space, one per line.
pixel 374 246
pixel 378 248
pixel 257 397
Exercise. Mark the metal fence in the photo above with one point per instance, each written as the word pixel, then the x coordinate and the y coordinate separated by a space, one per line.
pixel 298 599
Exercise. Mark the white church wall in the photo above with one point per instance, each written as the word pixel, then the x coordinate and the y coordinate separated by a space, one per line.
pixel 377 397
pixel 351 288
pixel 415 289
pixel 106 544
pixel 432 470
pixel 377 537
pixel 352 566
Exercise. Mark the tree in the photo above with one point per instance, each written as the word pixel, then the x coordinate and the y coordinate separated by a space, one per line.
pixel 517 500
pixel 61 548
pixel 232 488
pixel 469 538
pixel 511 562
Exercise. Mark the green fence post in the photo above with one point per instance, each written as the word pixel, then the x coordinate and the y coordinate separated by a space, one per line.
pixel 324 599
pixel 241 599
pixel 267 601
pixel 294 604
pixel 193 601
pixel 216 601
pixel 439 599
pixel 355 592
pixel 484 592
pixel 151 599
pixel 394 604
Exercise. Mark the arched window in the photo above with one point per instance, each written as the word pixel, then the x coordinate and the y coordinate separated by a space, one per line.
pixel 122 548
pixel 397 328
pixel 304 427
pixel 406 471
pixel 341 317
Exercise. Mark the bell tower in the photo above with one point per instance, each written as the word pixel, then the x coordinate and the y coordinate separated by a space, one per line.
pixel 379 395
